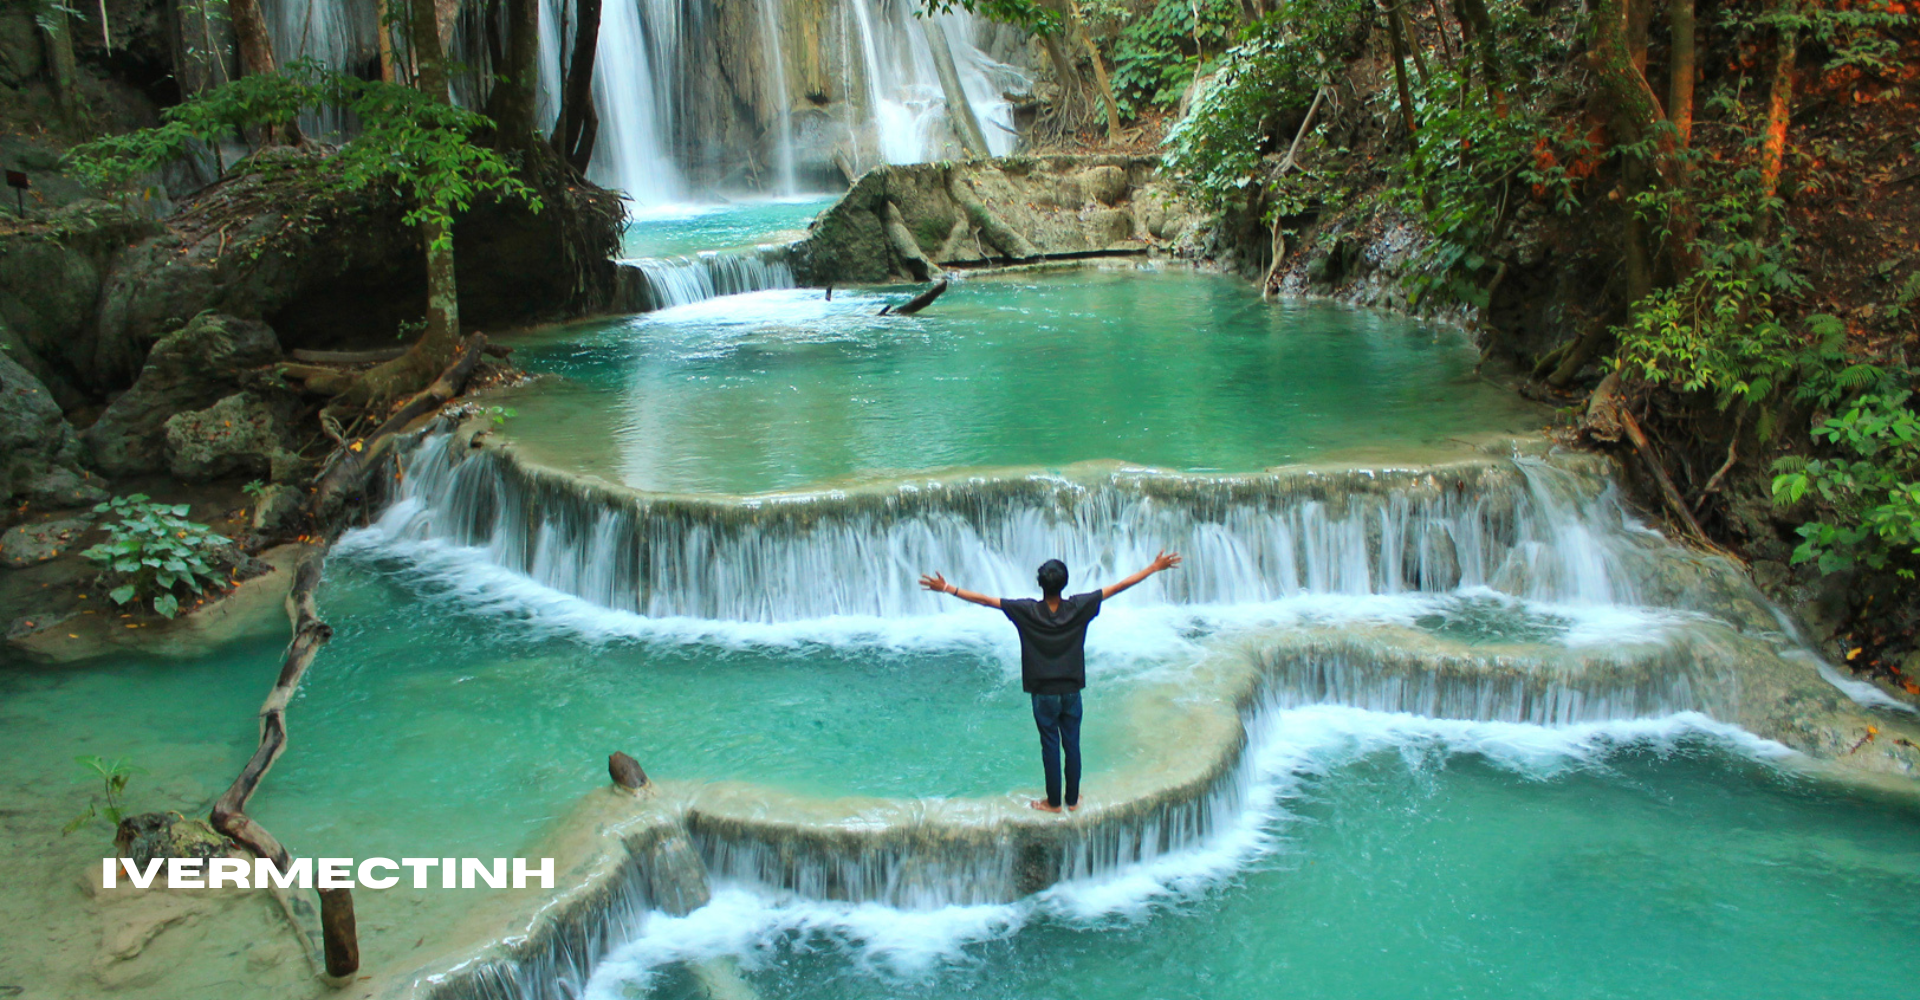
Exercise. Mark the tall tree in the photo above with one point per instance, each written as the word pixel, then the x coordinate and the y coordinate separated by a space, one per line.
pixel 1474 13
pixel 1786 48
pixel 574 133
pixel 1680 70
pixel 250 29
pixel 514 100
pixel 1396 37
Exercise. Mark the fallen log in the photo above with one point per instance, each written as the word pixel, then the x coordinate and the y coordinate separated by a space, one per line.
pixel 1004 238
pixel 375 356
pixel 918 302
pixel 345 478
pixel 229 814
pixel 340 943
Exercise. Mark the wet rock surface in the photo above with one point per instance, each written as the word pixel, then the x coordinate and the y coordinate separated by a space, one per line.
pixel 187 371
pixel 27 544
pixel 240 434
pixel 898 219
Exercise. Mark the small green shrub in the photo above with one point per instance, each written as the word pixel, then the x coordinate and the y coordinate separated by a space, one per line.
pixel 114 775
pixel 152 551
pixel 1867 493
pixel 1157 55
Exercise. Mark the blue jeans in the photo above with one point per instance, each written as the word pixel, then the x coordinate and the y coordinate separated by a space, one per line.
pixel 1058 716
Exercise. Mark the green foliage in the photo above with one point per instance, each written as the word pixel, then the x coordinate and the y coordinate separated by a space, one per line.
pixel 1157 55
pixel 152 551
pixel 1022 13
pixel 114 775
pixel 408 141
pixel 1867 493
pixel 1280 63
pixel 1863 36
pixel 1470 169
pixel 255 489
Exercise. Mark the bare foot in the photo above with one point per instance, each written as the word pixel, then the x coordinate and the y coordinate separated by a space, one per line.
pixel 1074 808
pixel 1041 804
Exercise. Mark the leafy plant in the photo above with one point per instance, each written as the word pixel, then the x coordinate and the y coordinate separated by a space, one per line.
pixel 114 775
pixel 1157 55
pixel 153 551
pixel 1281 61
pixel 1868 492
pixel 255 489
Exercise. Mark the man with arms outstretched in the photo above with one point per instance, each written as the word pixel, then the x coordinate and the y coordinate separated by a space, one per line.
pixel 1053 663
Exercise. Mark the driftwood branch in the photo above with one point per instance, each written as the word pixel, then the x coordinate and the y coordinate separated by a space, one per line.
pixel 348 476
pixel 342 956
pixel 1608 418
pixel 340 939
pixel 918 302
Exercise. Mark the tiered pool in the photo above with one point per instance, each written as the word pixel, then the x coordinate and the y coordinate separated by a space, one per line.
pixel 696 540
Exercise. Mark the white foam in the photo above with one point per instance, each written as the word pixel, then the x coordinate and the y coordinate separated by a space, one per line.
pixel 1286 748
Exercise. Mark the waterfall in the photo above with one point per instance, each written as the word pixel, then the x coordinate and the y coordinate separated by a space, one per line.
pixel 680 281
pixel 341 35
pixel 634 99
pixel 782 103
pixel 1511 527
pixel 904 99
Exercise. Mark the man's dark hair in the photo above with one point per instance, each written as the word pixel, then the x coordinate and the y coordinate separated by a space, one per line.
pixel 1053 576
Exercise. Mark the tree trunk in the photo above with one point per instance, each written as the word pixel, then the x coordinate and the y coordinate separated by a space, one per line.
pixel 1105 85
pixel 429 62
pixel 57 29
pixel 515 95
pixel 1639 26
pixel 576 101
pixel 250 29
pixel 1399 46
pixel 1680 71
pixel 1773 144
pixel 1474 12
pixel 1407 38
pixel 959 111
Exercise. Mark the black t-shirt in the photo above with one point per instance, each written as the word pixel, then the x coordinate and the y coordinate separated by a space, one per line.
pixel 1053 656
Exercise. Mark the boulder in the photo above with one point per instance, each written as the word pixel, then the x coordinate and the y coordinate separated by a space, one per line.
pixel 60 487
pixel 50 282
pixel 992 211
pixel 239 434
pixel 34 438
pixel 277 509
pixel 187 371
pixel 27 544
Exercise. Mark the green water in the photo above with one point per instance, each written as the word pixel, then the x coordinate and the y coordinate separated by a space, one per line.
pixel 422 728
pixel 1175 369
pixel 682 231
pixel 1410 872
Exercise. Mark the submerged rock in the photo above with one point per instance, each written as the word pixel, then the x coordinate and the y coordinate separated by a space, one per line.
pixel 188 370
pixel 28 544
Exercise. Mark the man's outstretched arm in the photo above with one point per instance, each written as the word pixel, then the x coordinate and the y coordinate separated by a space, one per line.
pixel 936 582
pixel 1165 560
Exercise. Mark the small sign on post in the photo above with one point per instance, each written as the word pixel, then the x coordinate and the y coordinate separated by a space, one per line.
pixel 17 180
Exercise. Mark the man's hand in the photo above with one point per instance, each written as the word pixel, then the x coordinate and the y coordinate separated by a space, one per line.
pixel 938 583
pixel 1165 560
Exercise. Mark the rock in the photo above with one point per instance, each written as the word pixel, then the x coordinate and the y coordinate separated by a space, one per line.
pixel 28 544
pixel 50 282
pixel 34 437
pixel 626 771
pixel 61 487
pixel 20 48
pixel 187 371
pixel 277 510
pixel 238 434
pixel 1106 184
pixel 1013 208
pixel 166 835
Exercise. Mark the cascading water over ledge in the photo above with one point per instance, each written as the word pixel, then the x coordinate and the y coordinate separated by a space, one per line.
pixel 1534 530
pixel 681 281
